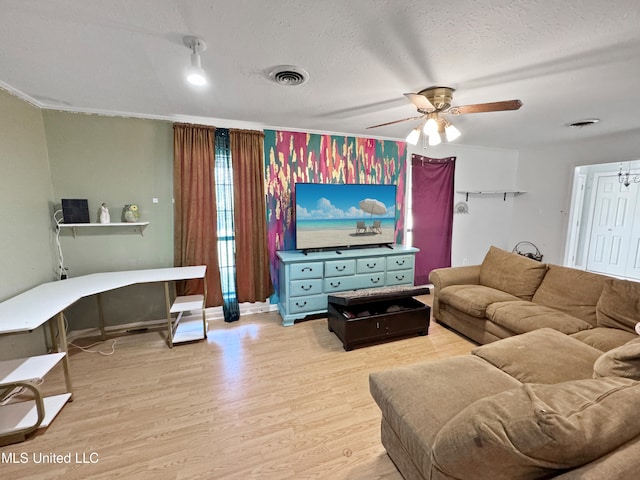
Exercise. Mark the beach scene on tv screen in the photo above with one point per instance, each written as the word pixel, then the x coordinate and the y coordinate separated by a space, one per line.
pixel 344 215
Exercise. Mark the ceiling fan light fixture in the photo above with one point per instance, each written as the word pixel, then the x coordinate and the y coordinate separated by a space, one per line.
pixel 195 73
pixel 413 137
pixel 431 125
pixel 434 139
pixel 451 132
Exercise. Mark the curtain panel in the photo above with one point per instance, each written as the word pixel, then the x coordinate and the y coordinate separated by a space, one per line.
pixel 252 256
pixel 195 234
pixel 432 191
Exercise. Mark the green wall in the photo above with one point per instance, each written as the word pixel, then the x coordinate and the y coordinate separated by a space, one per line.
pixel 26 196
pixel 117 161
pixel 46 156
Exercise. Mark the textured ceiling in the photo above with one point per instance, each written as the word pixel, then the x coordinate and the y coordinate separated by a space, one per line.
pixel 566 61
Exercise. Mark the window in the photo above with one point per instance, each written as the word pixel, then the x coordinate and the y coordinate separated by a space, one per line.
pixel 223 175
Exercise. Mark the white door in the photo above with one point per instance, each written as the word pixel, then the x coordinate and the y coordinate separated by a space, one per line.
pixel 612 227
pixel 633 265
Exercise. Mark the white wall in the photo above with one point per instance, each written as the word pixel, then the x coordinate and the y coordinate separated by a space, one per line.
pixel 489 218
pixel 546 173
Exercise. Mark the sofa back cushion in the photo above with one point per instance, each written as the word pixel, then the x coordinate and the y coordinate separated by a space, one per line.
pixel 572 291
pixel 623 361
pixel 511 273
pixel 619 305
pixel 535 431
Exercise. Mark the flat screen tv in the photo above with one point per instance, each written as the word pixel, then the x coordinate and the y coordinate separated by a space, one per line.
pixel 330 215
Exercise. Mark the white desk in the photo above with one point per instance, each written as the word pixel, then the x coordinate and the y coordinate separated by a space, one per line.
pixel 35 307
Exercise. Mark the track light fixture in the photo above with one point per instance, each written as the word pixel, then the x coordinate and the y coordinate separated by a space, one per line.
pixel 196 74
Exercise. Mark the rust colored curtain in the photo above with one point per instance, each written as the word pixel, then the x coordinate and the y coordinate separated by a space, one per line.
pixel 195 236
pixel 432 198
pixel 252 257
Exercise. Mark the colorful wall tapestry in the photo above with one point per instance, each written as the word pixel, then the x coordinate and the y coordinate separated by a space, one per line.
pixel 295 157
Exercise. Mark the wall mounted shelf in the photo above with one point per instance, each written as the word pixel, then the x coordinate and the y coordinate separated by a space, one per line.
pixel 491 192
pixel 74 226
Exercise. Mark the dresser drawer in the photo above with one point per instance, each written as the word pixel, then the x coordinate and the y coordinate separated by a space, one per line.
pixel 338 268
pixel 340 284
pixel 313 286
pixel 369 281
pixel 400 277
pixel 306 270
pixel 399 262
pixel 308 304
pixel 367 265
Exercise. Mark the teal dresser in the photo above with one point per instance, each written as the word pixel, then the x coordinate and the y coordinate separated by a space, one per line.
pixel 307 279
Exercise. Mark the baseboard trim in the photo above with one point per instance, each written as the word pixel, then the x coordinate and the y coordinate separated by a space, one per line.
pixel 211 313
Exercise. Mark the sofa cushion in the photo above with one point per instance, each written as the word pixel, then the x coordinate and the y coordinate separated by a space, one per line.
pixel 572 291
pixel 534 357
pixel 472 299
pixel 522 316
pixel 623 361
pixel 511 273
pixel 619 305
pixel 417 400
pixel 535 431
pixel 604 338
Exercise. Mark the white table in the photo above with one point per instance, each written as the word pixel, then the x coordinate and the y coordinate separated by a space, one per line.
pixel 37 306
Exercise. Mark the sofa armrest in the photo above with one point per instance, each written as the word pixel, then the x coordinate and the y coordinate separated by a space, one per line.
pixel 443 277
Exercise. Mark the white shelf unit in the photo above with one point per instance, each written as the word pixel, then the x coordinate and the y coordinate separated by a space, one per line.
pixel 75 226
pixel 491 192
pixel 183 331
pixel 19 419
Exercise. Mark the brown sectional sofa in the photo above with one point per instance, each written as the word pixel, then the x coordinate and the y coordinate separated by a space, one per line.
pixel 552 393
pixel 509 294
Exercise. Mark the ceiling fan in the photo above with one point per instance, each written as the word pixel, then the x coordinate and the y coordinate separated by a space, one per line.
pixel 433 102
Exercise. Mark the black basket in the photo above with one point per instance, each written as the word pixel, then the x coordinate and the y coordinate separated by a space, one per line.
pixel 522 247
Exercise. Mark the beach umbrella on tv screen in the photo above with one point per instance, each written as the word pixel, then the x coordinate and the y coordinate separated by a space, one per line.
pixel 373 206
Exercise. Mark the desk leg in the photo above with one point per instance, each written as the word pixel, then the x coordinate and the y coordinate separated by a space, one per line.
pixel 62 344
pixel 204 306
pixel 101 316
pixel 167 300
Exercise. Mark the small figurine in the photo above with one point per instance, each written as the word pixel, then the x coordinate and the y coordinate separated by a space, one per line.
pixel 104 216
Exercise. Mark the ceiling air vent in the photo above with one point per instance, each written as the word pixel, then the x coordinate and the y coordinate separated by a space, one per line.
pixel 584 123
pixel 289 75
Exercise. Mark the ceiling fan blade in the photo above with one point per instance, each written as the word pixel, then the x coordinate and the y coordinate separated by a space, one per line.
pixel 396 121
pixel 420 101
pixel 486 107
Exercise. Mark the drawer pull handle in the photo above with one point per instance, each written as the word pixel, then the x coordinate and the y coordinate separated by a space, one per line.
pixel 371 266
pixel 341 268
pixel 336 285
pixel 376 280
pixel 304 269
pixel 401 277
pixel 304 304
pixel 306 289
pixel 399 262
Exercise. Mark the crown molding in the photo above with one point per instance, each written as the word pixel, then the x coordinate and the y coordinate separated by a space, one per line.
pixel 211 121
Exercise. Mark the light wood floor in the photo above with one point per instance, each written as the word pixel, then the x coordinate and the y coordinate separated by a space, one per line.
pixel 255 401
